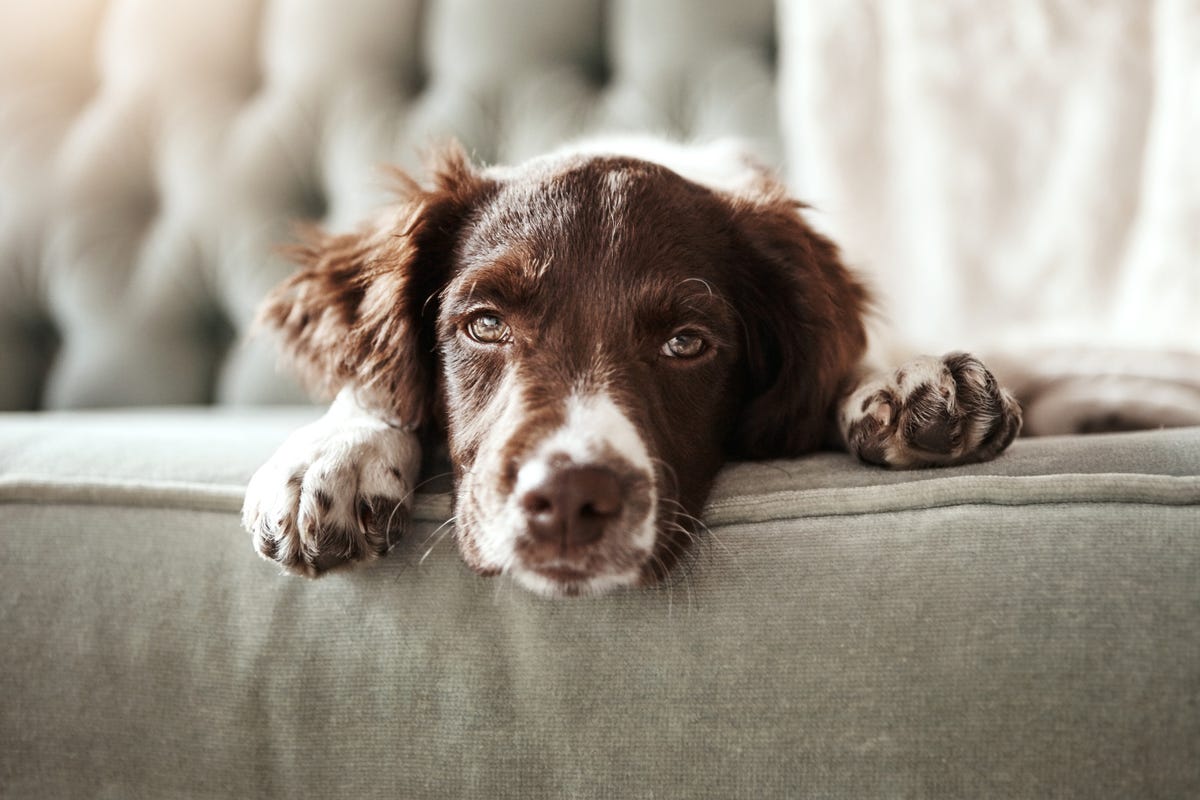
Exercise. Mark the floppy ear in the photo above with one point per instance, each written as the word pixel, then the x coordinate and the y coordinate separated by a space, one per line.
pixel 804 313
pixel 355 313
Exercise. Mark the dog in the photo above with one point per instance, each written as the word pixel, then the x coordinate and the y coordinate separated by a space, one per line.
pixel 592 333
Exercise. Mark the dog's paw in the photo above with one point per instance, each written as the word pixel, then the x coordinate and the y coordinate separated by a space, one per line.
pixel 930 412
pixel 336 493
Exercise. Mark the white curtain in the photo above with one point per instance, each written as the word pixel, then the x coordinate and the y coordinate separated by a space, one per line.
pixel 1010 174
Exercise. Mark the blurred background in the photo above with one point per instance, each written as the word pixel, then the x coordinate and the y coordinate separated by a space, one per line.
pixel 1013 177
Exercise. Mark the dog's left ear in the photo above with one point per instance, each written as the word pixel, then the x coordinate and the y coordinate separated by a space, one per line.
pixel 804 315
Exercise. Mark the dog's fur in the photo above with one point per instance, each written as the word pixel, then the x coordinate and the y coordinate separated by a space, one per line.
pixel 594 333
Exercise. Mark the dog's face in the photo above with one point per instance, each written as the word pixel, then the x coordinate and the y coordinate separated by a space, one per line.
pixel 590 380
pixel 596 335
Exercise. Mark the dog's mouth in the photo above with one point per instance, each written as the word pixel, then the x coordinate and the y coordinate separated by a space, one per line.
pixel 618 559
pixel 567 576
pixel 564 582
pixel 557 580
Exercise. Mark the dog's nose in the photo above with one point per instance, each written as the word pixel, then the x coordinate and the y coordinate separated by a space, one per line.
pixel 573 506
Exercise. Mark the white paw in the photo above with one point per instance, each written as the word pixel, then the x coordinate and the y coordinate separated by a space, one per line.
pixel 337 492
pixel 931 412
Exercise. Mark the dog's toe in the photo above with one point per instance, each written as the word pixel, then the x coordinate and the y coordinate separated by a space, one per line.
pixel 321 505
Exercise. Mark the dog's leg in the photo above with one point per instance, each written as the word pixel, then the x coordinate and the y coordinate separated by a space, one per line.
pixel 336 492
pixel 930 412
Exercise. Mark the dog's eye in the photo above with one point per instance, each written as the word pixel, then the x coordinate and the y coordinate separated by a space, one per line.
pixel 683 345
pixel 488 329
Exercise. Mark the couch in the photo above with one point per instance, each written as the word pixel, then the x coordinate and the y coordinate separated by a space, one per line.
pixel 1029 627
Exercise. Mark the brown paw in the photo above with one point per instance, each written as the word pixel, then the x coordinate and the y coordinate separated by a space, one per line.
pixel 931 412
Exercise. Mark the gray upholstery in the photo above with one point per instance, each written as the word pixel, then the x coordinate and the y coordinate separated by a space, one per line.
pixel 1024 628
pixel 153 153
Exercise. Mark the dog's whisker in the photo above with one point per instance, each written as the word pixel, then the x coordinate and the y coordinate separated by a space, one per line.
pixel 428 300
pixel 505 586
pixel 711 539
pixel 444 529
pixel 681 512
pixel 684 576
pixel 664 581
pixel 426 482
pixel 680 575
pixel 404 503
pixel 387 528
pixel 669 471
pixel 425 555
pixel 701 537
pixel 700 281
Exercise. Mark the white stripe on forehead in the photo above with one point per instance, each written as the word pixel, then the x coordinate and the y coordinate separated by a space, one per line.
pixel 594 424
pixel 725 164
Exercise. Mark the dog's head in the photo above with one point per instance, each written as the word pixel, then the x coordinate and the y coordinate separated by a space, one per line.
pixel 596 335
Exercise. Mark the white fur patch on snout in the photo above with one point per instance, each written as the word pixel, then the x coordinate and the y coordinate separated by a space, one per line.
pixel 595 432
pixel 594 428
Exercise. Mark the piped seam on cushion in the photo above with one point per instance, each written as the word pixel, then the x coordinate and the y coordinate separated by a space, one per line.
pixel 996 490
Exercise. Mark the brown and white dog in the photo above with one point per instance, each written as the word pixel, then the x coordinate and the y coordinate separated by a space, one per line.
pixel 594 333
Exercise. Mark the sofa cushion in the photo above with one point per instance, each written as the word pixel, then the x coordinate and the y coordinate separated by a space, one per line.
pixel 1026 627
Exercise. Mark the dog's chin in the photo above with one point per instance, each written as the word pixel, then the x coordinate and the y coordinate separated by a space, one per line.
pixel 563 581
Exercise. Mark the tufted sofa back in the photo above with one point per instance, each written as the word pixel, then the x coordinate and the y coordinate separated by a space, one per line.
pixel 154 152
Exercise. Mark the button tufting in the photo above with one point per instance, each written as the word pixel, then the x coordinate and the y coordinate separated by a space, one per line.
pixel 598 70
pixel 208 130
pixel 771 49
pixel 311 204
pixel 219 335
pixel 249 84
pixel 44 336
pixel 217 328
pixel 143 206
pixel 414 79
pixel 43 342
pixel 596 60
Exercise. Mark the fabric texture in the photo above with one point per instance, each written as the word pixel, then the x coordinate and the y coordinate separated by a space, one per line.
pixel 1023 628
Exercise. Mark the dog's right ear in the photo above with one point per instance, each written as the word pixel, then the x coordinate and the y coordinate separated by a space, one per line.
pixel 354 313
pixel 804 313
